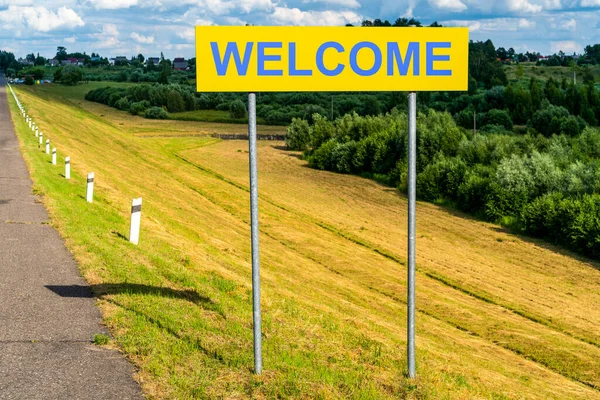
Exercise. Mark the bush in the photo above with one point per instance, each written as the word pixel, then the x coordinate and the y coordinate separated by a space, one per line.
pixel 237 109
pixel 175 102
pixel 156 113
pixel 122 104
pixel 298 135
pixel 29 80
pixel 71 75
pixel 138 108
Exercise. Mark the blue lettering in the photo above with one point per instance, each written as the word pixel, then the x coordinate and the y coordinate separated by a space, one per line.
pixel 431 58
pixel 262 58
pixel 321 65
pixel 231 49
pixel 292 63
pixel 354 55
pixel 412 52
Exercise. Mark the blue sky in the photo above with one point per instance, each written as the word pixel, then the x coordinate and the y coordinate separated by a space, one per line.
pixel 129 27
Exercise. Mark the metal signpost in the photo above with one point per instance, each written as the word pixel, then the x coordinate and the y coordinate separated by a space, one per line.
pixel 254 233
pixel 278 59
pixel 412 226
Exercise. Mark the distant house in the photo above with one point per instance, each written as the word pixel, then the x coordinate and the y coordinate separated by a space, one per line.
pixel 95 59
pixel 54 62
pixel 180 64
pixel 543 58
pixel 155 60
pixel 121 60
pixel 24 61
pixel 70 61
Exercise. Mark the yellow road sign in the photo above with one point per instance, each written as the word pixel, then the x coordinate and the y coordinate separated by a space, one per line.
pixel 277 58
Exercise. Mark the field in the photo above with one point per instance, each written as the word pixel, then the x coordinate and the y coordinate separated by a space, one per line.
pixel 499 316
pixel 530 70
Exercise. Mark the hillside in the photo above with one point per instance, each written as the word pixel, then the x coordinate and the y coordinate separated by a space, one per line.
pixel 499 316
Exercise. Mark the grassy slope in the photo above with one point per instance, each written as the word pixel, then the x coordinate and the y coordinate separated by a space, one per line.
pixel 499 316
pixel 544 73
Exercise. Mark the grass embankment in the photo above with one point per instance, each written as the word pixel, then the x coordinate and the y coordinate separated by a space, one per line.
pixel 214 121
pixel 498 316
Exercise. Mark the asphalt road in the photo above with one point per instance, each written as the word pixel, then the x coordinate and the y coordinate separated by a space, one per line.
pixel 48 316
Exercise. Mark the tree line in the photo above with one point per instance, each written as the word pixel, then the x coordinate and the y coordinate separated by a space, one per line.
pixel 547 187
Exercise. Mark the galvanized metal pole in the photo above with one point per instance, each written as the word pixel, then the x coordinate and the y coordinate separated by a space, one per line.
pixel 254 232
pixel 412 200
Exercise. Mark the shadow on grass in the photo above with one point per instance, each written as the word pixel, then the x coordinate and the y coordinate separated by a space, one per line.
pixel 83 291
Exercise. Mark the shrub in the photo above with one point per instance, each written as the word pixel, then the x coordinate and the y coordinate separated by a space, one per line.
pixel 139 107
pixel 122 104
pixel 298 135
pixel 237 109
pixel 29 80
pixel 175 102
pixel 156 113
pixel 321 157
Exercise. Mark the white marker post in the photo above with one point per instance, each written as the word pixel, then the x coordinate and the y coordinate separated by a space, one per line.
pixel 89 194
pixel 54 156
pixel 37 133
pixel 136 217
pixel 47 146
pixel 68 167
pixel 41 138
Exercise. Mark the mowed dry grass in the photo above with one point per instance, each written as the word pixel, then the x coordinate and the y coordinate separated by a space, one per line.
pixel 499 316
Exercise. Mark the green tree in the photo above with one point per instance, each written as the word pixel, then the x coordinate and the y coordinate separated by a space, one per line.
pixel 537 95
pixel 298 135
pixel 71 75
pixel 61 53
pixel 165 70
pixel 237 109
pixel 175 102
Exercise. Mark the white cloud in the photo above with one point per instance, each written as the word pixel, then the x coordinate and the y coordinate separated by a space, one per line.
pixel 570 25
pixel 71 39
pixel 523 6
pixel 141 38
pixel 204 22
pixel 294 16
pixel 41 19
pixel 113 4
pixel 108 37
pixel 188 34
pixel 494 24
pixel 343 3
pixel 110 30
pixel 590 3
pixel 450 5
pixel 552 4
pixel 525 24
pixel 568 46
pixel 255 5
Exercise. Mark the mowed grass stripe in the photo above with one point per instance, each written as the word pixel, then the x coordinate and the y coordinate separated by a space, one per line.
pixel 480 295
pixel 326 336
pixel 476 257
pixel 561 353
